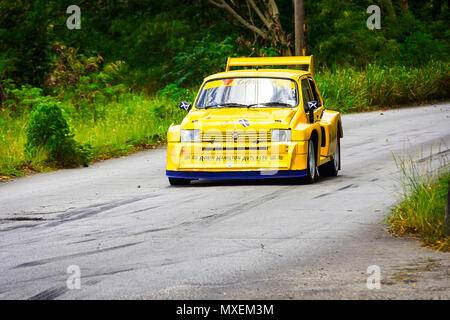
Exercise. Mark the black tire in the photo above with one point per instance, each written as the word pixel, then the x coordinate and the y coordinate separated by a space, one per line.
pixel 312 166
pixel 331 168
pixel 179 182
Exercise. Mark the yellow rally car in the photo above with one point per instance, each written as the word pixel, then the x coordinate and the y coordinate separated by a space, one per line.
pixel 254 124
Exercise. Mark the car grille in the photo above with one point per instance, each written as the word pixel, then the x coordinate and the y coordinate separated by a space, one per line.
pixel 236 136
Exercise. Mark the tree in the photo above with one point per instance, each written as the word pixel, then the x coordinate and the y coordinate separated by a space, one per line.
pixel 262 18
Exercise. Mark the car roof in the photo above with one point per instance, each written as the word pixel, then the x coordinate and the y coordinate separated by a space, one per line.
pixel 279 73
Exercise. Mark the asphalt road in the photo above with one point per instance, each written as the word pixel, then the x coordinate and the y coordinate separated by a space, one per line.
pixel 134 236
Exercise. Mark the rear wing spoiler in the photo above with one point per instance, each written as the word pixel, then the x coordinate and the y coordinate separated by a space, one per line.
pixel 272 61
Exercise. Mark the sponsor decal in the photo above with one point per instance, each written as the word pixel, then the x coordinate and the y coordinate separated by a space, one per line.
pixel 312 104
pixel 245 123
pixel 184 105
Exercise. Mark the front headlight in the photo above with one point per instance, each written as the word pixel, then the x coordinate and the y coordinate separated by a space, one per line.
pixel 190 135
pixel 279 135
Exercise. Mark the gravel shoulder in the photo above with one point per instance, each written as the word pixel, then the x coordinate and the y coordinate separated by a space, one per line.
pixel 408 271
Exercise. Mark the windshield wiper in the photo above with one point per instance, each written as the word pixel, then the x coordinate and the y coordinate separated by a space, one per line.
pixel 211 106
pixel 227 105
pixel 240 105
pixel 273 103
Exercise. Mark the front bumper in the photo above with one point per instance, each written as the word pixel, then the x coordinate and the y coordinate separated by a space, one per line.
pixel 239 161
pixel 222 175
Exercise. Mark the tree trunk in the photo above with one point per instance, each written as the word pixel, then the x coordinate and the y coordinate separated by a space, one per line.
pixel 404 6
pixel 387 5
pixel 299 18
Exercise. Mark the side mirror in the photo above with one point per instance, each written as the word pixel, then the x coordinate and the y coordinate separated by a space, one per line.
pixel 185 105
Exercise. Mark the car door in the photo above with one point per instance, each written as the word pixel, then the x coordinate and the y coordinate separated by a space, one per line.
pixel 316 97
pixel 307 95
pixel 329 132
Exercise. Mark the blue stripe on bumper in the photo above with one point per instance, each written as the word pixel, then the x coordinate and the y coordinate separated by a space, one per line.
pixel 221 175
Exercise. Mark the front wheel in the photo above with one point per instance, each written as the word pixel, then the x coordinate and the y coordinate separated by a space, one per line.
pixel 331 168
pixel 179 182
pixel 311 168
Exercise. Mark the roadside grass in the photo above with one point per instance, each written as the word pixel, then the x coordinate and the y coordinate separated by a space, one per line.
pixel 13 160
pixel 134 121
pixel 423 196
pixel 349 90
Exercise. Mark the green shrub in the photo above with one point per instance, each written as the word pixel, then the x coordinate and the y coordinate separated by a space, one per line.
pixel 87 82
pixel 202 58
pixel 20 100
pixel 173 92
pixel 170 96
pixel 48 129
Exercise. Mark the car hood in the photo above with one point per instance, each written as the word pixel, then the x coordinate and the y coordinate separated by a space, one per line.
pixel 236 117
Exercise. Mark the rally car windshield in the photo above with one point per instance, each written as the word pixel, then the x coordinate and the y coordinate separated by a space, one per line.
pixel 248 93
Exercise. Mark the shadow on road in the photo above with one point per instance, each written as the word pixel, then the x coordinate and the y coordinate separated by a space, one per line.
pixel 202 183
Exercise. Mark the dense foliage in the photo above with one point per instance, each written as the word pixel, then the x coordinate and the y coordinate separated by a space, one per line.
pixel 170 40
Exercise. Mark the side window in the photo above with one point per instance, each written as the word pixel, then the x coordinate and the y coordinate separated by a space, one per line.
pixel 314 92
pixel 307 94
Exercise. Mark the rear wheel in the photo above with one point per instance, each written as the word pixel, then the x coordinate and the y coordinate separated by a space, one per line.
pixel 179 181
pixel 311 168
